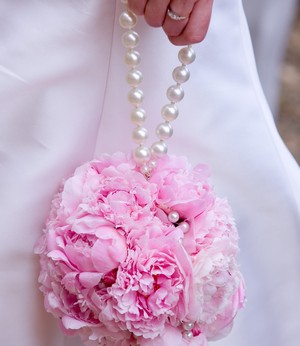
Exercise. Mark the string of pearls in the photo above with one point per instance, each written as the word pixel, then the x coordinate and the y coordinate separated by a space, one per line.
pixel 145 156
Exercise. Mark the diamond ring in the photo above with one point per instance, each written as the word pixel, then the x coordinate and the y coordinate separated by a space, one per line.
pixel 175 16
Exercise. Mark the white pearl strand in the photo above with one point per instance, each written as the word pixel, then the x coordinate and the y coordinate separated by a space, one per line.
pixel 144 156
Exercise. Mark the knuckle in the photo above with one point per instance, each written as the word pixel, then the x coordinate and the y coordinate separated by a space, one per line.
pixel 153 21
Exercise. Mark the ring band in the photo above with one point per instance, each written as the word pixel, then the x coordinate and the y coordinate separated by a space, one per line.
pixel 175 16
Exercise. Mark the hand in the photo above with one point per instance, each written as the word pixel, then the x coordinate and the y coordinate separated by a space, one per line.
pixel 191 29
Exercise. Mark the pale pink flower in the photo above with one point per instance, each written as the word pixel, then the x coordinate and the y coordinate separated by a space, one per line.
pixel 218 288
pixel 182 188
pixel 152 286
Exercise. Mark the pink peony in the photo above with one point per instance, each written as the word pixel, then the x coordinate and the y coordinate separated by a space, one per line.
pixel 152 286
pixel 116 271
pixel 182 188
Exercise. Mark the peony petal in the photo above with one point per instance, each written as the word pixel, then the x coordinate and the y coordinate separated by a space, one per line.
pixel 89 280
pixel 69 282
pixel 199 340
pixel 72 193
pixel 89 224
pixel 80 258
pixel 72 323
pixel 52 302
pixel 109 250
pixel 170 336
pixel 57 255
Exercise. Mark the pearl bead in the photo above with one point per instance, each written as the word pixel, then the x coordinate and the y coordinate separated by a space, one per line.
pixel 141 154
pixel 186 55
pixel 159 149
pixel 173 216
pixel 178 323
pixel 130 39
pixel 188 334
pixel 188 326
pixel 135 96
pixel 134 78
pixel 175 93
pixel 164 131
pixel 181 74
pixel 132 58
pixel 127 20
pixel 145 169
pixel 152 164
pixel 184 226
pixel 170 112
pixel 139 134
pixel 138 116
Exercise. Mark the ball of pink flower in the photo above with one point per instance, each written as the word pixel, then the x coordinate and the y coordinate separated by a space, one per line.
pixel 127 260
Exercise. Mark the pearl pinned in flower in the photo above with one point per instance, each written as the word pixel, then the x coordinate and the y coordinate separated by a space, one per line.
pixel 188 326
pixel 184 226
pixel 188 334
pixel 173 216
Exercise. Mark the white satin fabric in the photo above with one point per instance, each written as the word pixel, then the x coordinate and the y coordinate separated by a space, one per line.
pixel 63 101
pixel 270 23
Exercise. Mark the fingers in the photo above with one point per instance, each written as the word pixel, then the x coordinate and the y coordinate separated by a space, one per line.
pixel 182 8
pixel 154 11
pixel 196 27
pixel 180 32
pixel 137 6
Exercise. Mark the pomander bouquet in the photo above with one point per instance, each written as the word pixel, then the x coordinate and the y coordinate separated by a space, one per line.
pixel 137 248
pixel 131 261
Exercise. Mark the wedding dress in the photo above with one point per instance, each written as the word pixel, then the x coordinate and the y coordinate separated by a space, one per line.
pixel 270 45
pixel 63 102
